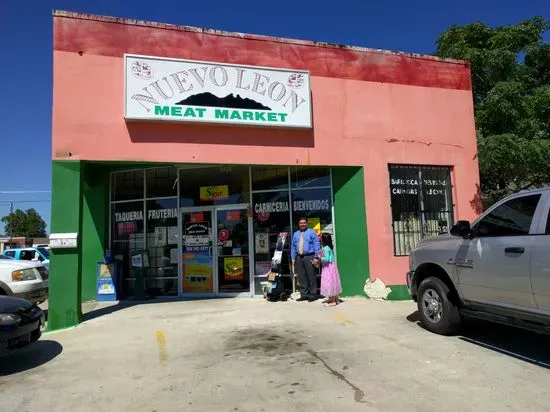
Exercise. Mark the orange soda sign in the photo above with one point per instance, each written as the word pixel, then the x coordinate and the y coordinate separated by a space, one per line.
pixel 214 192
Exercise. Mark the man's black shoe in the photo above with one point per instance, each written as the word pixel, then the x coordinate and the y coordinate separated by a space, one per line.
pixel 302 298
pixel 311 299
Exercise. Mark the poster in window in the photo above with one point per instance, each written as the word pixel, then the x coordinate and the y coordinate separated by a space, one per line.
pixel 262 242
pixel 140 259
pixel 233 216
pixel 137 261
pixel 262 268
pixel 174 253
pixel 233 268
pixel 197 275
pixel 160 236
pixel 197 234
pixel 214 192
pixel 172 235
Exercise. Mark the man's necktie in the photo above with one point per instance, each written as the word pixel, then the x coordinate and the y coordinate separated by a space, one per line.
pixel 301 244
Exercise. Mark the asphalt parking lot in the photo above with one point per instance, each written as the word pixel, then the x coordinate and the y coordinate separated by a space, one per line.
pixel 251 355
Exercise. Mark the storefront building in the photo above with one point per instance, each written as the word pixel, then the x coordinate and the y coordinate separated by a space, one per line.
pixel 187 151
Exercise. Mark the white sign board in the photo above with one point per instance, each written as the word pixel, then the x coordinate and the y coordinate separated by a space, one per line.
pixel 63 240
pixel 161 89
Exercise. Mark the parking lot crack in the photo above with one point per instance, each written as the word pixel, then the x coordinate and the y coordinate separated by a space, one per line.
pixel 359 395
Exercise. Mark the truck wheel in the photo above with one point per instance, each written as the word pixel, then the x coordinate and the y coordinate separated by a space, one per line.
pixel 438 313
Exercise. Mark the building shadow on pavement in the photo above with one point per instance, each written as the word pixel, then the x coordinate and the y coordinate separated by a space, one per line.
pixel 29 357
pixel 93 310
pixel 517 343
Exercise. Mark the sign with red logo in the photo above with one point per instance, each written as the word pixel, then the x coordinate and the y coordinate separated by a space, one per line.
pixel 223 235
pixel 262 216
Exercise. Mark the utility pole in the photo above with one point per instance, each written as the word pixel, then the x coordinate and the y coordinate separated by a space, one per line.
pixel 11 222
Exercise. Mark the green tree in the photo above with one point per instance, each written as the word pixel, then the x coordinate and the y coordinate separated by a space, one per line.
pixel 511 88
pixel 24 224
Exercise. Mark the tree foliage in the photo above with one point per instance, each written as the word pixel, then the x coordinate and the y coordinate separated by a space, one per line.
pixel 511 87
pixel 24 224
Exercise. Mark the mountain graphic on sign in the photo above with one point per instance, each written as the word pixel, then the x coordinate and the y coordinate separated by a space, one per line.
pixel 230 101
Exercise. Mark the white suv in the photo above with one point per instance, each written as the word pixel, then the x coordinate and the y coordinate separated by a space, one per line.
pixel 26 280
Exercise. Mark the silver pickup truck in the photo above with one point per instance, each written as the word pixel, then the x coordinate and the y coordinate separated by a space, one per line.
pixel 497 268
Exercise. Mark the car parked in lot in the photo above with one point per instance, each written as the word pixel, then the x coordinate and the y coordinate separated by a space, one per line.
pixel 31 254
pixel 27 280
pixel 495 269
pixel 21 323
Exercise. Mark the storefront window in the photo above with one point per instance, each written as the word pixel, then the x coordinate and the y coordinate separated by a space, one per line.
pixel 145 217
pixel 127 236
pixel 210 186
pixel 304 177
pixel 127 185
pixel 162 246
pixel 269 178
pixel 162 182
pixel 421 204
pixel 316 206
pixel 271 216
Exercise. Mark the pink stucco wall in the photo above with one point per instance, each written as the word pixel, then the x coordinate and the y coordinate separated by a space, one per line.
pixel 356 122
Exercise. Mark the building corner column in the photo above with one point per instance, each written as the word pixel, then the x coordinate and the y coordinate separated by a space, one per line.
pixel 64 300
pixel 350 222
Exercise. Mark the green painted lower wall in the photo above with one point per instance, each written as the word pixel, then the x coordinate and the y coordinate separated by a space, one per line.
pixel 94 231
pixel 64 301
pixel 351 228
pixel 398 292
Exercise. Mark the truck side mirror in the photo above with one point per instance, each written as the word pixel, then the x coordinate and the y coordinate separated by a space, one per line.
pixel 462 229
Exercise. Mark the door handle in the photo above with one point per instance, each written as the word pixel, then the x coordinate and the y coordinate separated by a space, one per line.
pixel 515 250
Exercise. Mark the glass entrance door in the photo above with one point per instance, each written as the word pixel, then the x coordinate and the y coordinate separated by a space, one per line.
pixel 233 251
pixel 215 250
pixel 197 254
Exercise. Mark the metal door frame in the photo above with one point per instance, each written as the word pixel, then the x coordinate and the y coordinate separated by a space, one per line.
pixel 214 222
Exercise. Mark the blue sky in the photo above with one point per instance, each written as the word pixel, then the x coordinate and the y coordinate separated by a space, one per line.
pixel 26 44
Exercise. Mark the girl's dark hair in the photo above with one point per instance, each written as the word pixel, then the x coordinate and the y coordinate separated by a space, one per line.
pixel 326 240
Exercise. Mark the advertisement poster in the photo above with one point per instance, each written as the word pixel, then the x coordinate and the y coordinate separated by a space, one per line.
pixel 233 216
pixel 214 192
pixel 262 242
pixel 160 236
pixel 174 255
pixel 197 273
pixel 137 261
pixel 262 268
pixel 105 288
pixel 233 268
pixel 197 234
pixel 315 224
pixel 172 235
